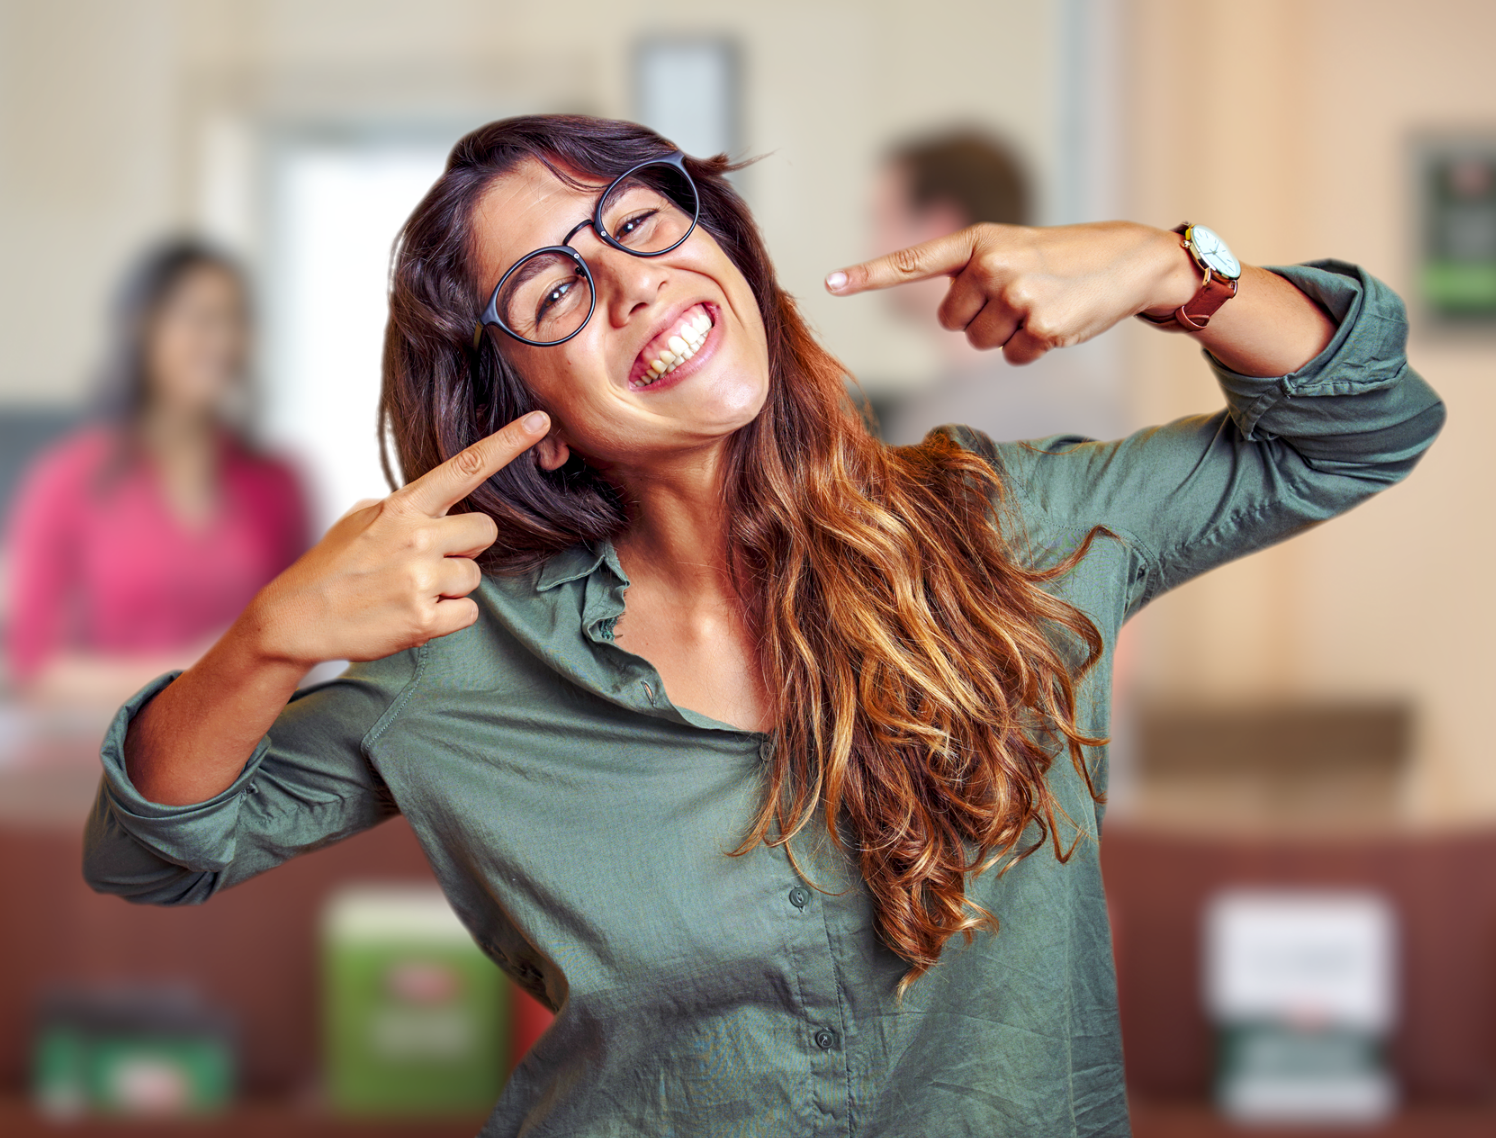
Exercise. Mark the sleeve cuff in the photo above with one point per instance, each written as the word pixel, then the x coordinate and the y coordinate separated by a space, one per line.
pixel 1366 352
pixel 200 835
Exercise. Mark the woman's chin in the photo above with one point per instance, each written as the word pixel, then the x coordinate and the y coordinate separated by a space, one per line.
pixel 731 405
pixel 719 399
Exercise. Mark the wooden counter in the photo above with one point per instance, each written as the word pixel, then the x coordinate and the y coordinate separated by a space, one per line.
pixel 251 1119
pixel 1198 1120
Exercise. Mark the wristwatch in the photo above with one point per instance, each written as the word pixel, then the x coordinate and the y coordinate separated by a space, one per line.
pixel 1221 270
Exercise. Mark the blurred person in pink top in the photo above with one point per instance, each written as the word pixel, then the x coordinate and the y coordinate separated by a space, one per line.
pixel 135 541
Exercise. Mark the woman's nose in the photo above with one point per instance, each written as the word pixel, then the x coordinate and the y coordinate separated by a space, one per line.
pixel 624 282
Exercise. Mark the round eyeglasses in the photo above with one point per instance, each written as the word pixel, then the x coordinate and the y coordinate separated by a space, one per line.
pixel 548 296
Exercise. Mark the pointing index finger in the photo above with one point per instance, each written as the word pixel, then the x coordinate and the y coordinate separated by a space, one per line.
pixel 942 257
pixel 443 486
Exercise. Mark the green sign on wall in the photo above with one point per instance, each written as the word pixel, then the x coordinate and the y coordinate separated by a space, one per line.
pixel 1458 241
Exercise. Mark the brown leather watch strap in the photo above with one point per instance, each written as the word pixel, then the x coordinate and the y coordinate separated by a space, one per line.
pixel 1195 313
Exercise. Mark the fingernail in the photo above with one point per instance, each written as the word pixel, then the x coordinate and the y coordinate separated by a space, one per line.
pixel 534 422
pixel 837 280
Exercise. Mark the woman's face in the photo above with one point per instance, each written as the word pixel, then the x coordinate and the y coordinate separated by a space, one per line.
pixel 196 349
pixel 594 385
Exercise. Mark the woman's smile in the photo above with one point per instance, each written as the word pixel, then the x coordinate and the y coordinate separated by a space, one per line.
pixel 684 342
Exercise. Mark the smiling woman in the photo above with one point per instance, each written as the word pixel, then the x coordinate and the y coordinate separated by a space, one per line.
pixel 617 630
pixel 816 581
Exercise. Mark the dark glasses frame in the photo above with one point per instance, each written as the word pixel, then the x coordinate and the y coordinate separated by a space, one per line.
pixel 491 312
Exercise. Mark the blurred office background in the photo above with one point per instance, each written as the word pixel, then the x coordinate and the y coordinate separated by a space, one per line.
pixel 1307 724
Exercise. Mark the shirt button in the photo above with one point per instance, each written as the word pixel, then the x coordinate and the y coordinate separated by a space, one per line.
pixel 825 1040
pixel 799 896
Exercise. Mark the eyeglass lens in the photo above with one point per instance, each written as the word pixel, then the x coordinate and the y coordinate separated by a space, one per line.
pixel 547 297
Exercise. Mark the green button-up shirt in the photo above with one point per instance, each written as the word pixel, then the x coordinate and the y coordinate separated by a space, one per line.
pixel 579 820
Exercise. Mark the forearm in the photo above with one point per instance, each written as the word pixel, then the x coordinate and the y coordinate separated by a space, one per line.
pixel 1268 328
pixel 191 741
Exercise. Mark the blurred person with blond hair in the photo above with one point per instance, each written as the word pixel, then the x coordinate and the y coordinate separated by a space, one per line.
pixel 138 539
pixel 936 183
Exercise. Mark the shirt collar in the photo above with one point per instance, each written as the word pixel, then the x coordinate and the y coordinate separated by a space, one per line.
pixel 575 563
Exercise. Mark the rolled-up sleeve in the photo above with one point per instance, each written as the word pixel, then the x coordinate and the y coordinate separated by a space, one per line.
pixel 308 783
pixel 1286 453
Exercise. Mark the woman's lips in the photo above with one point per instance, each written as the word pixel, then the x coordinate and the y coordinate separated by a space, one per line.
pixel 673 349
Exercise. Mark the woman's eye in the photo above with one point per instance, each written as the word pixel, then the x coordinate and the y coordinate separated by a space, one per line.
pixel 634 224
pixel 554 296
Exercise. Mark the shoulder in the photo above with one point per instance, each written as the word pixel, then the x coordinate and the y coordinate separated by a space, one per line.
pixel 386 678
pixel 68 466
pixel 82 451
pixel 1017 466
pixel 357 705
pixel 1047 509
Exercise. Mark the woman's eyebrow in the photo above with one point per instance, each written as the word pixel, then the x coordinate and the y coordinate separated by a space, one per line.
pixel 530 269
pixel 534 266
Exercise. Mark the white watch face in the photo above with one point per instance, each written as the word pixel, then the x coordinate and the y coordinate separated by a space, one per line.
pixel 1212 250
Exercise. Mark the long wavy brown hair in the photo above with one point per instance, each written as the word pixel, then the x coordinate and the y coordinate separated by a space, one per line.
pixel 923 679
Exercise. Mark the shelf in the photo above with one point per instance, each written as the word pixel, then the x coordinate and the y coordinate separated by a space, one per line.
pixel 273 1120
pixel 248 1120
pixel 1200 1120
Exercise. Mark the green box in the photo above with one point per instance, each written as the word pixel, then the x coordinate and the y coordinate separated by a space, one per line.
pixel 416 1018
pixel 1275 1071
pixel 131 1052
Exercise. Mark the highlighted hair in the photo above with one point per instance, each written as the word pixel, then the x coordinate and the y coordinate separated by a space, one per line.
pixel 918 670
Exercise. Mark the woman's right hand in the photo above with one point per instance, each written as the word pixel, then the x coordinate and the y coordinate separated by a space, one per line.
pixel 391 574
pixel 386 577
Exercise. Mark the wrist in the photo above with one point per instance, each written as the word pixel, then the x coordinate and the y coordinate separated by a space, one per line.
pixel 1175 277
pixel 265 637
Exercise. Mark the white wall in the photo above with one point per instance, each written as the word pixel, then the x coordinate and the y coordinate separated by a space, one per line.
pixel 112 113
pixel 1299 147
pixel 1287 130
pixel 89 163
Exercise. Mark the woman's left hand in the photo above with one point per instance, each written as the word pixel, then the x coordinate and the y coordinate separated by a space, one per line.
pixel 1027 290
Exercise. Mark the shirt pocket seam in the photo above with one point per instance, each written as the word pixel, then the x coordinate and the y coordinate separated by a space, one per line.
pixel 397 705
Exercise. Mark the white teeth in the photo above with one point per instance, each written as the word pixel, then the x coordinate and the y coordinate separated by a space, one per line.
pixel 684 343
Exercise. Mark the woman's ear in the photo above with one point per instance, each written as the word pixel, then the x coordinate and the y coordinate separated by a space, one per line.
pixel 552 452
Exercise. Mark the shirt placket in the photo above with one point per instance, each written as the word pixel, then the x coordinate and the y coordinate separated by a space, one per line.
pixel 822 1013
pixel 821 1030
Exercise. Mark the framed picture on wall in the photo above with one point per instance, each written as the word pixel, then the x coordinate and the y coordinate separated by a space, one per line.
pixel 1457 229
pixel 688 90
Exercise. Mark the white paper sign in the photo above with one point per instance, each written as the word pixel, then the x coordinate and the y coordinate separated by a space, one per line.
pixel 1301 956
